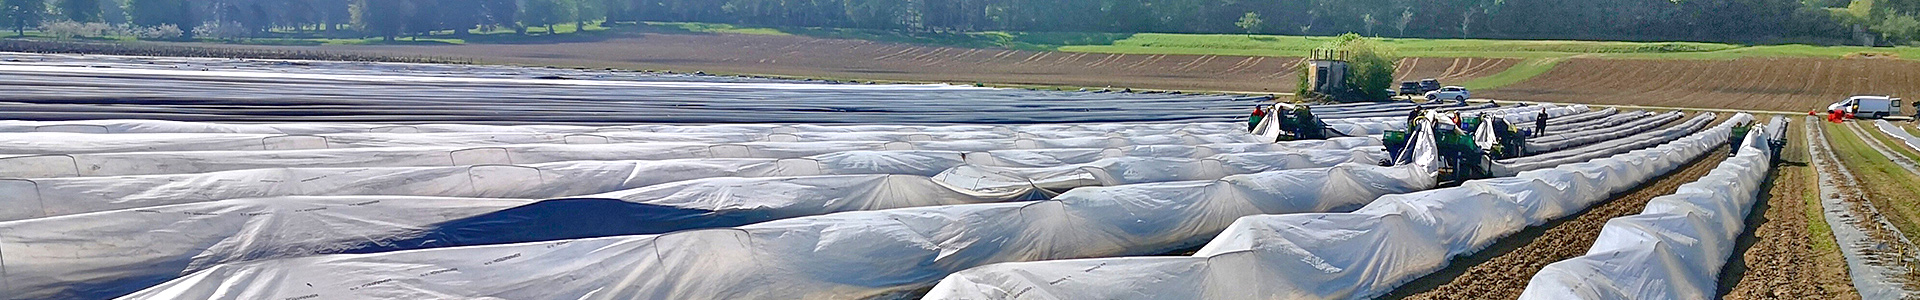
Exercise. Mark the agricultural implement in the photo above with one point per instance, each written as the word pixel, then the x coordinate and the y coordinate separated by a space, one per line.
pixel 1467 147
pixel 1296 122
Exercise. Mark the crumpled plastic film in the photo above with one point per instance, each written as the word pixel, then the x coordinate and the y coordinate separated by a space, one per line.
pixel 1896 132
pixel 1509 167
pixel 72 195
pixel 1131 170
pixel 158 126
pixel 150 163
pixel 1676 247
pixel 1357 255
pixel 1593 135
pixel 845 255
pixel 1609 121
pixel 1583 117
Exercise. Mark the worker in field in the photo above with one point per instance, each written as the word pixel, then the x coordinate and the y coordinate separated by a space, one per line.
pixel 1414 115
pixel 1306 125
pixel 1540 123
pixel 1253 122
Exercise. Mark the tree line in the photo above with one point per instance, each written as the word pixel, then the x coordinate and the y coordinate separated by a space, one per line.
pixel 1747 21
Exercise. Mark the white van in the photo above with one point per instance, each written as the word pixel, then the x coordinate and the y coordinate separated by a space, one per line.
pixel 1869 106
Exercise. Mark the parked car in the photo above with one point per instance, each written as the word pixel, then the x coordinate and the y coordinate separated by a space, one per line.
pixel 1429 85
pixel 1409 88
pixel 1449 92
pixel 1869 106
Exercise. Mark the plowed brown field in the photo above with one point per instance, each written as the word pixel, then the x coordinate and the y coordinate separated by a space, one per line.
pixel 1450 70
pixel 858 59
pixel 1776 84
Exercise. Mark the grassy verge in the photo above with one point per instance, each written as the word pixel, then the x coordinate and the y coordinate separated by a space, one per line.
pixel 1515 74
pixel 1893 190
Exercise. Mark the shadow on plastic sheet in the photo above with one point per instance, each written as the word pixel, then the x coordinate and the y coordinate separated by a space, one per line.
pixel 561 219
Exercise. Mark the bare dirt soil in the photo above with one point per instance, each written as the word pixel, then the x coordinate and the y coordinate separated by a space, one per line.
pixel 868 60
pixel 1503 270
pixel 1774 84
pixel 1780 258
pixel 1449 69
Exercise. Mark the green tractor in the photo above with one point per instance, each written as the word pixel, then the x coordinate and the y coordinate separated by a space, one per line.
pixel 1288 122
pixel 1465 153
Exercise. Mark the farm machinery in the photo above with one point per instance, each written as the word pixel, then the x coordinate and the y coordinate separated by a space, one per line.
pixel 1289 122
pixel 1467 145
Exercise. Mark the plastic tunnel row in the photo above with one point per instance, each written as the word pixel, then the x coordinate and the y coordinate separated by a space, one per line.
pixel 842 255
pixel 157 126
pixel 44 197
pixel 1592 135
pixel 1380 125
pixel 1368 252
pixel 73 93
pixel 1582 117
pixel 1676 247
pixel 149 163
pixel 1609 121
pixel 1510 167
pixel 284 226
pixel 72 143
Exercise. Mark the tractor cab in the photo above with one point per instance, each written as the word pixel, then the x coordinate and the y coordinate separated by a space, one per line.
pixel 1462 155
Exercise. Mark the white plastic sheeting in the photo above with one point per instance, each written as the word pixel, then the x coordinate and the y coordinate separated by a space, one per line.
pixel 1592 135
pixel 58 257
pixel 1270 127
pixel 1899 133
pixel 846 255
pixel 46 197
pixel 1583 117
pixel 70 143
pixel 1025 153
pixel 1132 170
pixel 1608 121
pixel 1675 248
pixel 157 126
pixel 1340 255
pixel 1509 167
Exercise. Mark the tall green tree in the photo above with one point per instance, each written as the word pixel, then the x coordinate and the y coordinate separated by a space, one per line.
pixel 383 18
pixel 162 12
pixel 1250 22
pixel 80 10
pixel 547 12
pixel 21 13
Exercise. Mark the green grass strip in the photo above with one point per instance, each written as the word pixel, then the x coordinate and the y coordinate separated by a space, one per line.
pixel 1519 72
pixel 1892 189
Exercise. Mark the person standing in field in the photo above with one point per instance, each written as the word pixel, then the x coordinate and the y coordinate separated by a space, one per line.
pixel 1540 123
pixel 1253 122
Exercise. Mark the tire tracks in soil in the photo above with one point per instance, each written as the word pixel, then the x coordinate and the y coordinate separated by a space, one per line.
pixel 1502 271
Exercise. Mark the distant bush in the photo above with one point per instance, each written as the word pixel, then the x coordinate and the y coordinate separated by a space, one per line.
pixel 162 32
pixel 69 29
pixel 222 30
